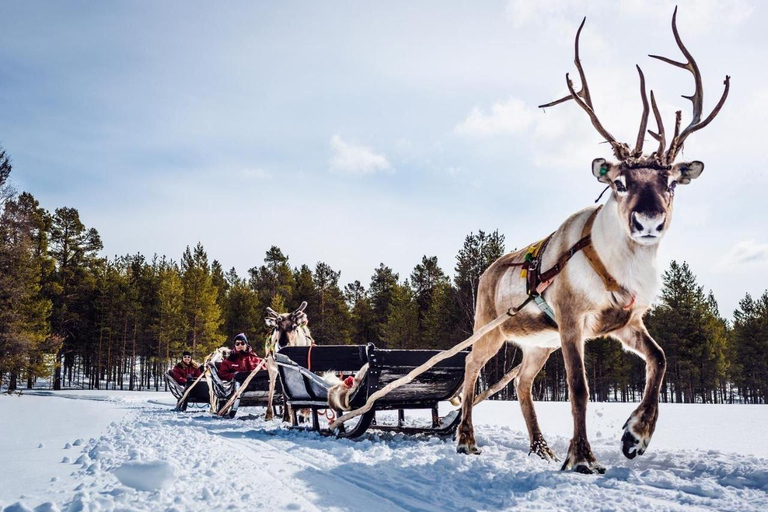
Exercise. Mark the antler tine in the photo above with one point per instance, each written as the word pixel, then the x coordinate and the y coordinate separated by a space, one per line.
pixel 584 92
pixel 690 129
pixel 584 100
pixel 301 307
pixel 697 98
pixel 644 119
pixel 620 150
pixel 660 136
pixel 272 312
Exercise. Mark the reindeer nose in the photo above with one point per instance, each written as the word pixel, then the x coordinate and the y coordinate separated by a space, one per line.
pixel 649 225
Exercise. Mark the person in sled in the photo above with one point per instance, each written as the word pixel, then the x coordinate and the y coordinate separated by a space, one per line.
pixel 242 361
pixel 186 369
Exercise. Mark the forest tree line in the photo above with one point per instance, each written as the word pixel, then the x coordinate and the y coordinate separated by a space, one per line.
pixel 71 317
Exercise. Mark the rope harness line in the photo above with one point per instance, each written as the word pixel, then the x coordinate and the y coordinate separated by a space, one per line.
pixel 429 364
pixel 536 282
pixel 239 391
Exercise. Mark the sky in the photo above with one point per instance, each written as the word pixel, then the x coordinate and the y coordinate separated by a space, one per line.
pixel 357 133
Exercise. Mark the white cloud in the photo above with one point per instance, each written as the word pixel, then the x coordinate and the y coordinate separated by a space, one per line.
pixel 511 117
pixel 748 251
pixel 349 158
pixel 696 18
pixel 258 174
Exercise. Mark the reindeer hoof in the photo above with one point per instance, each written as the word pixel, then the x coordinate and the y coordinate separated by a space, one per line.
pixel 632 444
pixel 541 449
pixel 589 468
pixel 468 449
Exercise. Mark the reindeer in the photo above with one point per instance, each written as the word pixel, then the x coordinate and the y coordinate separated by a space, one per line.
pixel 288 329
pixel 605 262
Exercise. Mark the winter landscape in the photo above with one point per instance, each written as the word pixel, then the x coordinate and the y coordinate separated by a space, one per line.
pixel 95 451
pixel 201 200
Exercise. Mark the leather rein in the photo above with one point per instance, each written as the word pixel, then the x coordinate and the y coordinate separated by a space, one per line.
pixel 537 281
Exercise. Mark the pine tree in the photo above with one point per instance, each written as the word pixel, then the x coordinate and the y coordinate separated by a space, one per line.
pixel 172 332
pixel 200 307
pixel 363 325
pixel 331 326
pixel 273 278
pixel 477 254
pixel 401 330
pixel 6 192
pixel 381 294
pixel 679 326
pixel 750 349
pixel 440 327
pixel 425 278
pixel 24 310
pixel 244 312
pixel 75 251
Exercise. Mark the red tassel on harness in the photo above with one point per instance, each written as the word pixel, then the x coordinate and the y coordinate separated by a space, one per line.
pixel 349 381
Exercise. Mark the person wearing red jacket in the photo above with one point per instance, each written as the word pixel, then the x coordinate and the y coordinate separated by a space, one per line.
pixel 242 360
pixel 186 369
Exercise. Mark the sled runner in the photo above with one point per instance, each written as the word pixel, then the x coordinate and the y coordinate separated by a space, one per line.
pixel 255 395
pixel 303 386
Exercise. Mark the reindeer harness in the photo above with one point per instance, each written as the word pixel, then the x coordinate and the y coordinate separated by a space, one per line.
pixel 537 281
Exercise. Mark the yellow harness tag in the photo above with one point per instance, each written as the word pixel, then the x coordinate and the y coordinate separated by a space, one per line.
pixel 530 254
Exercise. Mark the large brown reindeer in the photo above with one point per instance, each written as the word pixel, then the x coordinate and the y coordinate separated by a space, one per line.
pixel 288 329
pixel 595 276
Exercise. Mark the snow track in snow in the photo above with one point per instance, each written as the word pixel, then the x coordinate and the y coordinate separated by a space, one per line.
pixel 207 463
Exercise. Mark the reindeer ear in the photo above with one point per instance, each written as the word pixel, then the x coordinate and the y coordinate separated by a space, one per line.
pixel 604 171
pixel 684 172
pixel 270 322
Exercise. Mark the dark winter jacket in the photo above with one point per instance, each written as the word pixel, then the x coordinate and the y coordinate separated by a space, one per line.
pixel 182 371
pixel 245 361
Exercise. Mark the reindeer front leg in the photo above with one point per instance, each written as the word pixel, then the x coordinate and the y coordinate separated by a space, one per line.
pixel 272 369
pixel 641 424
pixel 580 457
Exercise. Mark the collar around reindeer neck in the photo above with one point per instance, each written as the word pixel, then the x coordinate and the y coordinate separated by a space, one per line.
pixel 538 281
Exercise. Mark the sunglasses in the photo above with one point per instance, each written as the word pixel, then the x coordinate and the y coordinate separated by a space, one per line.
pixel 239 343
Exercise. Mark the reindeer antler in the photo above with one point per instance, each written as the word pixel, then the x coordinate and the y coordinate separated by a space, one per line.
pixel 584 99
pixel 662 155
pixel 271 312
pixel 697 99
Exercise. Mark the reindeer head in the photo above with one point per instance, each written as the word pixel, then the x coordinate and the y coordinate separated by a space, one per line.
pixel 288 328
pixel 643 186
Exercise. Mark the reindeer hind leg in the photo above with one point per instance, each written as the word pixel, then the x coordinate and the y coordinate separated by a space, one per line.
pixel 534 359
pixel 482 351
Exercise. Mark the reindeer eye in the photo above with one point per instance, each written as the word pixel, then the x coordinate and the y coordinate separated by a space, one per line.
pixel 672 185
pixel 620 186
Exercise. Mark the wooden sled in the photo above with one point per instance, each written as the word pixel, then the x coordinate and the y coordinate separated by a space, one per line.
pixel 256 394
pixel 303 387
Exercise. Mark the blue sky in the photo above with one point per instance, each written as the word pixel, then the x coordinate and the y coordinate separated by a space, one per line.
pixel 358 133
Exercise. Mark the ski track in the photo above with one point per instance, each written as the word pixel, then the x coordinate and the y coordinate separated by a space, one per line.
pixel 249 464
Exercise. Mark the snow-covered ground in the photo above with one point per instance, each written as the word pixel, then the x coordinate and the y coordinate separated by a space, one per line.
pixel 129 451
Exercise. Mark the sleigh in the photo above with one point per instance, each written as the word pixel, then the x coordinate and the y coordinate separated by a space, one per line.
pixel 256 394
pixel 304 388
